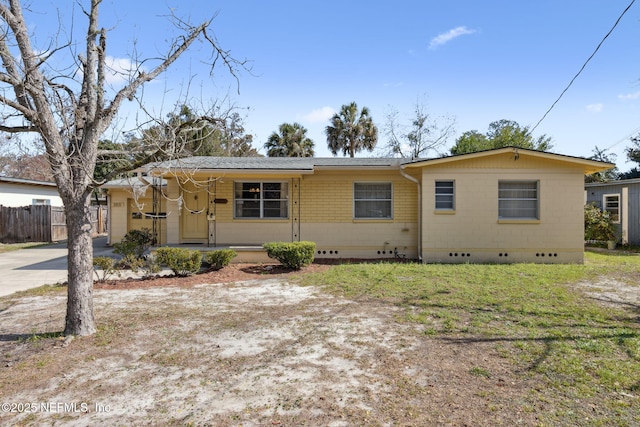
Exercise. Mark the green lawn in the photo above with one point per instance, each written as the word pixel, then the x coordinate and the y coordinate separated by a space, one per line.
pixel 8 247
pixel 534 315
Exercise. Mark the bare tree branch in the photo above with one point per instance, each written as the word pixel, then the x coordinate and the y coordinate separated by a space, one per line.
pixel 130 89
pixel 28 114
pixel 71 122
pixel 421 136
pixel 17 129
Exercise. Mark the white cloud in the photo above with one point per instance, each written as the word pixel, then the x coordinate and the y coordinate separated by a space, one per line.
pixel 443 38
pixel 119 70
pixel 320 115
pixel 630 96
pixel 595 108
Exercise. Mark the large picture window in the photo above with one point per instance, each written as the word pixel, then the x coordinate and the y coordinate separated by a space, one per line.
pixel 372 200
pixel 261 200
pixel 445 195
pixel 518 200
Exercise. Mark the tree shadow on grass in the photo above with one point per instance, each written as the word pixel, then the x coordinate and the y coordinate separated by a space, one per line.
pixel 550 343
pixel 551 329
pixel 626 305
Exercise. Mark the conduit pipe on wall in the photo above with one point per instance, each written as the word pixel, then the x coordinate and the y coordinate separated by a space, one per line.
pixel 414 180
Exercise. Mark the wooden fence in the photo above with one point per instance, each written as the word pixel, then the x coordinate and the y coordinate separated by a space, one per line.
pixel 41 223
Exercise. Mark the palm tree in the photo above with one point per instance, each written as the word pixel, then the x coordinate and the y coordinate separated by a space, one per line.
pixel 351 132
pixel 292 141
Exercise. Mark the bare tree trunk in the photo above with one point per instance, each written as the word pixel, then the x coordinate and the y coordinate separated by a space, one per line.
pixel 80 319
pixel 70 122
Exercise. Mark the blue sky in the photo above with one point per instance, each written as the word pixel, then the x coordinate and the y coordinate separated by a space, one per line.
pixel 474 61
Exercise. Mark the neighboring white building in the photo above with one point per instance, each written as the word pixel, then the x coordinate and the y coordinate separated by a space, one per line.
pixel 16 192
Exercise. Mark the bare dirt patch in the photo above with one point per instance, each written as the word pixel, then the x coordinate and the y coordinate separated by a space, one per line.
pixel 251 352
pixel 612 292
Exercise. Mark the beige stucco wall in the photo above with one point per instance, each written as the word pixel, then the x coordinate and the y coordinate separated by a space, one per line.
pixel 473 232
pixel 117 214
pixel 123 203
pixel 172 196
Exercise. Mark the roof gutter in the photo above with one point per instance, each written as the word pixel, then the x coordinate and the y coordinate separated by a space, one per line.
pixel 414 180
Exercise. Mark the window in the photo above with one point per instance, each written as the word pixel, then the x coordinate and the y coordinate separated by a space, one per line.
pixel 445 195
pixel 611 204
pixel 261 200
pixel 518 200
pixel 372 200
pixel 41 202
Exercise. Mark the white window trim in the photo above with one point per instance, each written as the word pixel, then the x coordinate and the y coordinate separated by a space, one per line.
pixel 386 218
pixel 604 204
pixel 261 182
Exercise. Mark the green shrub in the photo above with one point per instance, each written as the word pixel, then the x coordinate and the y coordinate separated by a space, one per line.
pixel 148 264
pixel 135 242
pixel 292 255
pixel 130 262
pixel 182 261
pixel 598 225
pixel 105 265
pixel 219 258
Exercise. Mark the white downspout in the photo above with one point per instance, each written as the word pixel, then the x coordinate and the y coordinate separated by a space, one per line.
pixel 412 179
pixel 624 210
pixel 109 210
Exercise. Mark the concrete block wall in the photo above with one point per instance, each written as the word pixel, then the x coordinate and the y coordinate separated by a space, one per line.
pixel 474 233
pixel 327 217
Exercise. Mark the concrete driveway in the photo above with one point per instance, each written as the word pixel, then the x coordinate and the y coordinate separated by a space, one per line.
pixel 45 265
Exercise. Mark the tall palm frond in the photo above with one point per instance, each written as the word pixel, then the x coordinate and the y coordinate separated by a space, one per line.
pixel 291 141
pixel 351 132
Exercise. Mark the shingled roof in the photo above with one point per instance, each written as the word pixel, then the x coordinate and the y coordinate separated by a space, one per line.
pixel 274 163
pixel 310 164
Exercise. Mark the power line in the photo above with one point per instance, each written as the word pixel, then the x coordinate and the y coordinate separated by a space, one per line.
pixel 626 138
pixel 585 64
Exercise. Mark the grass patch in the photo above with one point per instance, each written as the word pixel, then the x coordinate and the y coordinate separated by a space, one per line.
pixel 39 336
pixel 9 247
pixel 545 326
pixel 39 291
pixel 480 372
